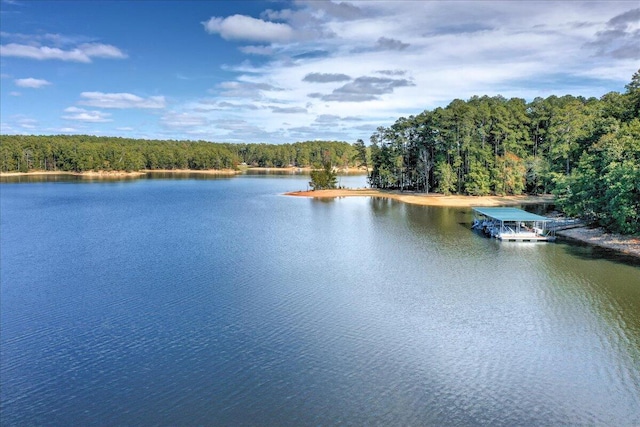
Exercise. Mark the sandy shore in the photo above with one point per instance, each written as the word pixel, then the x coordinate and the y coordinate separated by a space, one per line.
pixel 305 170
pixel 597 236
pixel 88 174
pixel 432 199
pixel 122 174
pixel 194 171
pixel 118 174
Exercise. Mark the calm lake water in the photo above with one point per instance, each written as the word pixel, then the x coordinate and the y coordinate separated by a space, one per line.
pixel 222 302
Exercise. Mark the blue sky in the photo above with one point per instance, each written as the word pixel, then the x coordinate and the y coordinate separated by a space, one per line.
pixel 286 71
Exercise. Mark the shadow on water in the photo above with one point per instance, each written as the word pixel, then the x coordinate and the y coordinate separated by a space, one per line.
pixel 326 200
pixel 589 252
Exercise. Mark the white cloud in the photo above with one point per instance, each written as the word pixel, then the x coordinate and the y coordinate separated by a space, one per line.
pixel 183 120
pixel 82 115
pixel 428 54
pixel 31 83
pixel 82 53
pixel 288 110
pixel 364 89
pixel 7 129
pixel 338 69
pixel 326 77
pixel 244 89
pixel 121 100
pixel 241 27
pixel 621 37
pixel 386 43
pixel 257 50
pixel 56 40
pixel 27 123
pixel 341 10
pixel 99 50
pixel 206 105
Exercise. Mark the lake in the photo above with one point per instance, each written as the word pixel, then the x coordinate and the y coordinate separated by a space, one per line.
pixel 223 302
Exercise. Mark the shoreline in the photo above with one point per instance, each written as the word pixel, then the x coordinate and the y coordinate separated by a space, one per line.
pixel 87 174
pixel 303 170
pixel 194 171
pixel 142 172
pixel 626 245
pixel 431 199
pixel 121 174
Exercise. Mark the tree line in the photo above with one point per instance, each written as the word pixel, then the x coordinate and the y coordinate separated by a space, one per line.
pixel 79 153
pixel 584 150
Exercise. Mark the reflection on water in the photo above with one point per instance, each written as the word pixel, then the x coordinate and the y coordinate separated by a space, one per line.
pixel 62 178
pixel 344 179
pixel 221 302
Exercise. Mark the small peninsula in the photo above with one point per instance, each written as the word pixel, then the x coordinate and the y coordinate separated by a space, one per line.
pixel 431 199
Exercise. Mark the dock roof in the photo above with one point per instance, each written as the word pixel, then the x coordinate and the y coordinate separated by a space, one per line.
pixel 510 214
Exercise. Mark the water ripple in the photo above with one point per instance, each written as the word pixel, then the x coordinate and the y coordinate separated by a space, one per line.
pixel 218 302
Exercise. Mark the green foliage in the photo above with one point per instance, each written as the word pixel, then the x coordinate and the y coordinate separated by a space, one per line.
pixel 622 197
pixel 604 187
pixel 446 178
pixel 83 153
pixel 360 155
pixel 478 183
pixel 633 94
pixel 509 174
pixel 583 150
pixel 323 179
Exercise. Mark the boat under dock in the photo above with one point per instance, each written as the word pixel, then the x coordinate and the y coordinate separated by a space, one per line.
pixel 513 225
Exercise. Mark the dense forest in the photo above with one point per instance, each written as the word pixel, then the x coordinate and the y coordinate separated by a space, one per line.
pixel 78 153
pixel 586 151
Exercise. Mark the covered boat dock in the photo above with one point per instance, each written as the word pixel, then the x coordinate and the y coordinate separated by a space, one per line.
pixel 512 224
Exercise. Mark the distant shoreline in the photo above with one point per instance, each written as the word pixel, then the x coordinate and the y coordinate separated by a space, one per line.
pixel 194 171
pixel 121 174
pixel 88 174
pixel 305 169
pixel 142 172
